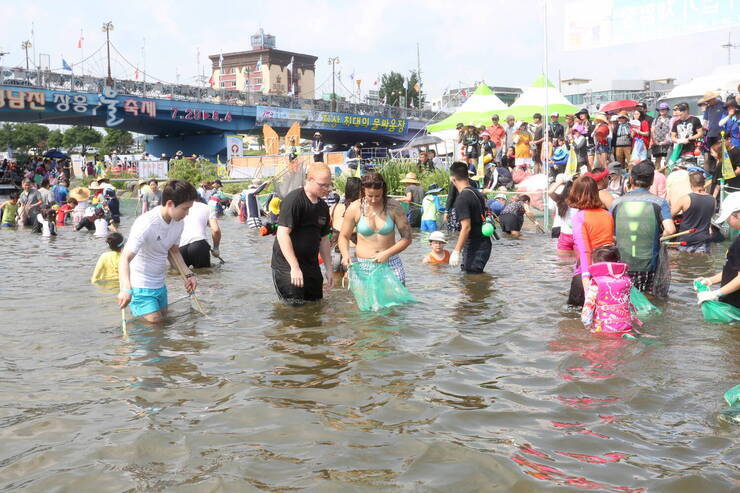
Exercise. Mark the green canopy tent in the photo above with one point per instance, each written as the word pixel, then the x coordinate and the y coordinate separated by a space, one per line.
pixel 477 109
pixel 532 101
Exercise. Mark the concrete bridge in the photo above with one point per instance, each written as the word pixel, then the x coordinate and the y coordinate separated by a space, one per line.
pixel 193 119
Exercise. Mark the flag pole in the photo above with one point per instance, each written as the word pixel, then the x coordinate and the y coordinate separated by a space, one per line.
pixel 546 199
pixel 82 53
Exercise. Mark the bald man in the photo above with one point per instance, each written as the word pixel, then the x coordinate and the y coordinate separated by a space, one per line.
pixel 303 229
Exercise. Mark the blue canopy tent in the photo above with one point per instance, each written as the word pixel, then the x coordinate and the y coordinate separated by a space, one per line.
pixel 54 154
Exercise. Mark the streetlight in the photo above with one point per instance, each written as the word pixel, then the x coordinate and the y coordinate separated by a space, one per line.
pixel 25 46
pixel 333 61
pixel 107 28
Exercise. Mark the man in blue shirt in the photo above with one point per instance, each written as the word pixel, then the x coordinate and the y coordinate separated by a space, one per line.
pixel 640 219
pixel 60 191
pixel 712 115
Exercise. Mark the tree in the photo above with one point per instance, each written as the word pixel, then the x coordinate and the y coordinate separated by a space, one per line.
pixel 23 136
pixel 413 94
pixel 117 140
pixel 81 136
pixel 392 88
pixel 55 140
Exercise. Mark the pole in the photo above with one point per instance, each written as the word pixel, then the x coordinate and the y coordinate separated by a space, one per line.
pixel 143 62
pixel 546 116
pixel 107 28
pixel 418 75
pixel 333 90
pixel 82 53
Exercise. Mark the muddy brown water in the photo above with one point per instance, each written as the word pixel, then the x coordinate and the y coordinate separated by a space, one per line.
pixel 488 383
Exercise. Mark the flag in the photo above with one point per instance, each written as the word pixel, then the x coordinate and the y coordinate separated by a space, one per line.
pixel 358 82
pixel 79 42
pixel 211 81
pixel 258 66
pixel 376 82
pixel 65 65
pixel 464 93
pixel 221 62
pixel 136 74
pixel 290 65
pixel 339 75
pixel 417 87
pixel 572 167
pixel 728 171
pixel 352 75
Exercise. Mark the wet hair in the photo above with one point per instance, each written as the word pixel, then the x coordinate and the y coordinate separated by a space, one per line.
pixel 115 241
pixel 179 192
pixel 374 181
pixel 72 200
pixel 525 198
pixel 352 190
pixel 584 194
pixel 561 199
pixel 606 253
pixel 459 170
pixel 50 215
pixel 218 182
pixel 696 179
pixel 13 196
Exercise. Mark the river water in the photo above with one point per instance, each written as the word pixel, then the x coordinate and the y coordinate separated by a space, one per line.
pixel 488 383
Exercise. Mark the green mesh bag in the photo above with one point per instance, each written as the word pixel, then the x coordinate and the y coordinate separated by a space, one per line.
pixel 376 287
pixel 643 306
pixel 717 312
pixel 732 397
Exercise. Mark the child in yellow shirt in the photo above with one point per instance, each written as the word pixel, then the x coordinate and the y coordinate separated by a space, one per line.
pixel 107 267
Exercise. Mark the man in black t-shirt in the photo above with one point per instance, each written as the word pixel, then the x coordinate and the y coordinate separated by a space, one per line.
pixel 469 208
pixel 303 228
pixel 687 130
pixel 729 278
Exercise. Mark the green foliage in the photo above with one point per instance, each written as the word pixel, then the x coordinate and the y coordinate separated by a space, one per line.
pixel 397 90
pixel 237 187
pixel 395 170
pixel 116 140
pixel 55 140
pixel 194 171
pixel 23 136
pixel 81 136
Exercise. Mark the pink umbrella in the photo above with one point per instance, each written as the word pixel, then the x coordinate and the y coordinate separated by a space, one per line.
pixel 619 105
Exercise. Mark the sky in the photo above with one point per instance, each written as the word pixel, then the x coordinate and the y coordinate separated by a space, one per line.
pixel 500 42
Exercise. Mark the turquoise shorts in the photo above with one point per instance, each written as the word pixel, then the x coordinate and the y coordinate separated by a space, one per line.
pixel 145 301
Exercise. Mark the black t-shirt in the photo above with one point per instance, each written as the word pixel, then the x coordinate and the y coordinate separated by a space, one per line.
pixel 556 130
pixel 685 129
pixel 309 222
pixel 734 183
pixel 469 205
pixel 729 272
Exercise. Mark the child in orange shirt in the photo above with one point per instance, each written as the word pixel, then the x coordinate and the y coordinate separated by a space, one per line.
pixel 438 255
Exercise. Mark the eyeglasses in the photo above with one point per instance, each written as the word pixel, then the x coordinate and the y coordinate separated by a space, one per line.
pixel 323 185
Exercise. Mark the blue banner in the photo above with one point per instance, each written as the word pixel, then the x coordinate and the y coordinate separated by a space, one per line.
pixel 333 121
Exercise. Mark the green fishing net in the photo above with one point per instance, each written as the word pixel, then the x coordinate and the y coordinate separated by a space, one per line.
pixel 643 306
pixel 732 397
pixel 376 287
pixel 717 311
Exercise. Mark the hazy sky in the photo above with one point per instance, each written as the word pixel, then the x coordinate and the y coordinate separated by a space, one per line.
pixel 500 42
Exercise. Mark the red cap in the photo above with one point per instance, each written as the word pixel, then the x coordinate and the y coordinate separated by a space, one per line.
pixel 598 176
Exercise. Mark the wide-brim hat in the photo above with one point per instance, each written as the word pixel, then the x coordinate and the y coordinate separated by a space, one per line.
pixel 94 185
pixel 437 236
pixel 708 96
pixel 615 167
pixel 623 114
pixel 601 117
pixel 410 178
pixel 500 196
pixel 80 194
pixel 434 188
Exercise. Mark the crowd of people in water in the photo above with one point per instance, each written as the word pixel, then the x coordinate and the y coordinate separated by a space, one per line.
pixel 615 218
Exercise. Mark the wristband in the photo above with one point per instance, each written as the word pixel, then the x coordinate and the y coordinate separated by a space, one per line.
pixel 188 276
pixel 128 291
pixel 585 275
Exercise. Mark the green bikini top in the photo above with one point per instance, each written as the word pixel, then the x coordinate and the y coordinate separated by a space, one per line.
pixel 365 230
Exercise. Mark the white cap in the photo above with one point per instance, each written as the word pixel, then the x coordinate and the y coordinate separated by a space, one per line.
pixel 500 196
pixel 730 204
pixel 437 236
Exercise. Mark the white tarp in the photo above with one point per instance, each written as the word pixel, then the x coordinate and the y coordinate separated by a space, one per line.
pixel 723 80
pixel 152 169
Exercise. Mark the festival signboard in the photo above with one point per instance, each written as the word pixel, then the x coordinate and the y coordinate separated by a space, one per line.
pixel 332 121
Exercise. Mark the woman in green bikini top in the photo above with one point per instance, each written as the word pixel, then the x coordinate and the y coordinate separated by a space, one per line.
pixel 376 217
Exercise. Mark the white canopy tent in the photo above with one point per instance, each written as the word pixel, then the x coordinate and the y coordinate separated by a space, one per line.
pixel 723 80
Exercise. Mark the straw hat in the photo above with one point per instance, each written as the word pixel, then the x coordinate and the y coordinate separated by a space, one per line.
pixel 94 185
pixel 708 96
pixel 600 117
pixel 410 178
pixel 623 114
pixel 80 194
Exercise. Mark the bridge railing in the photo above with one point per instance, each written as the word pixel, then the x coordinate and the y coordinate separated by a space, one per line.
pixel 182 92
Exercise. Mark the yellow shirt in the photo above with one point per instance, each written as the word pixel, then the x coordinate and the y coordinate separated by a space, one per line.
pixel 107 267
pixel 521 148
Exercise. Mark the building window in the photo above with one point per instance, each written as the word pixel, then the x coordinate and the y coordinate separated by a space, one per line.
pixel 228 83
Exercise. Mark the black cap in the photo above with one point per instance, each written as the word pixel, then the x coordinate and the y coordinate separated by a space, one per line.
pixel 643 169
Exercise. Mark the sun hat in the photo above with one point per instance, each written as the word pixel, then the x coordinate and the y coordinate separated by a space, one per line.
pixel 434 188
pixel 94 185
pixel 614 118
pixel 601 117
pixel 437 236
pixel 623 114
pixel 730 204
pixel 500 196
pixel 256 182
pixel 410 178
pixel 554 113
pixel 635 123
pixel 80 194
pixel 663 106
pixel 708 96
pixel 615 167
pixel 485 134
